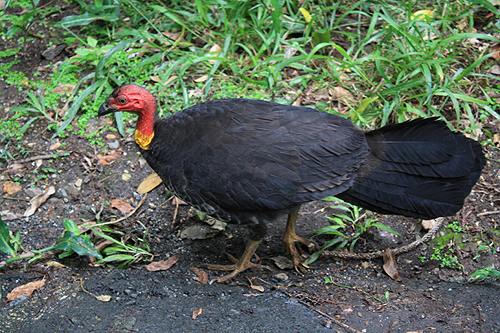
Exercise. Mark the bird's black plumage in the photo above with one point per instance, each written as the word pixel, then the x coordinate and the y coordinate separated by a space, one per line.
pixel 253 155
pixel 249 161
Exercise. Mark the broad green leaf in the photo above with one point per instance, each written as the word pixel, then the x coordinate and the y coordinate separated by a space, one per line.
pixel 5 245
pixel 71 226
pixel 80 245
pixel 116 257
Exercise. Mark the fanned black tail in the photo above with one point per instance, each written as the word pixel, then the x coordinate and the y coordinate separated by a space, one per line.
pixel 417 168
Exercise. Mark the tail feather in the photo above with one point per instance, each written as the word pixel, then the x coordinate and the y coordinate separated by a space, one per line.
pixel 418 168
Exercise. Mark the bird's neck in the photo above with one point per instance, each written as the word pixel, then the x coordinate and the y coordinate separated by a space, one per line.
pixel 144 130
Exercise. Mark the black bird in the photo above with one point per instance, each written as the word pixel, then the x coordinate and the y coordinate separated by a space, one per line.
pixel 249 162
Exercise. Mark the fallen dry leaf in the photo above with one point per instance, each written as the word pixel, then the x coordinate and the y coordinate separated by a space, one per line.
pixel 155 78
pixel 341 94
pixel 148 184
pixel 10 187
pixel 196 313
pixel 214 51
pixel 25 290
pixel 495 48
pixel 55 145
pixel 201 275
pixel 429 224
pixel 39 200
pixel 106 159
pixel 202 78
pixel 103 298
pixel 15 168
pixel 496 138
pixel 282 262
pixel 390 265
pixel 162 265
pixel 64 89
pixel 121 205
pixel 178 202
pixel 54 264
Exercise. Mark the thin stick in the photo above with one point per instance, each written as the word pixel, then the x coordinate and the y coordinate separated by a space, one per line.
pixel 19 199
pixel 489 213
pixel 34 158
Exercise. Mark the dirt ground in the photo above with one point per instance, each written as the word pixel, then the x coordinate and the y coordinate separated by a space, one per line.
pixel 333 296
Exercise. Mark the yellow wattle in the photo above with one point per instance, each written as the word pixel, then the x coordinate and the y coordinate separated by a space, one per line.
pixel 143 140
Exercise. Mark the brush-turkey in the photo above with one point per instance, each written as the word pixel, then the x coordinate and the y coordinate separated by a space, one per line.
pixel 249 162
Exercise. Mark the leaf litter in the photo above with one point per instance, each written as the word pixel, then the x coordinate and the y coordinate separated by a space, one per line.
pixel 162 265
pixel 25 290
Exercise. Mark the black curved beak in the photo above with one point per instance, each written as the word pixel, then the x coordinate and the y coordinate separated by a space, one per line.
pixel 105 109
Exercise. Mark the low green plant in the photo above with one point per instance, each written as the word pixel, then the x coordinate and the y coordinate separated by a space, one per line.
pixel 488 273
pixel 71 242
pixel 74 242
pixel 443 251
pixel 355 219
pixel 10 243
pixel 455 227
pixel 33 14
pixel 120 252
pixel 446 257
pixel 36 106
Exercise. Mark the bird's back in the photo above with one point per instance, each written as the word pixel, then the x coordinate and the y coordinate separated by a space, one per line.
pixel 240 154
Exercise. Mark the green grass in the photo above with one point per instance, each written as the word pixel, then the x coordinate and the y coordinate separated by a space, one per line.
pixel 396 66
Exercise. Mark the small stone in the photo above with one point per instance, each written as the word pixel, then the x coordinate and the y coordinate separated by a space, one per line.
pixel 281 276
pixel 114 145
pixel 111 137
pixel 457 279
pixel 197 232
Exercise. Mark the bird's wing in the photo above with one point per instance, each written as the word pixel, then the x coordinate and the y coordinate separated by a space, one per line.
pixel 257 155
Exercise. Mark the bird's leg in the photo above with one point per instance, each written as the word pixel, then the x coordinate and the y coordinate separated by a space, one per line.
pixel 257 231
pixel 291 238
pixel 240 265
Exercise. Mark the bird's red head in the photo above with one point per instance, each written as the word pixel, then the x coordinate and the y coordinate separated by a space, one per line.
pixel 129 98
pixel 132 98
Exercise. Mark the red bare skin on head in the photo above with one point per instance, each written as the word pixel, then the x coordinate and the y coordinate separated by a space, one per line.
pixel 132 98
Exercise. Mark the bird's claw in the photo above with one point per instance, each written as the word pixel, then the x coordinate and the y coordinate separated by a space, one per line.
pixel 236 268
pixel 292 245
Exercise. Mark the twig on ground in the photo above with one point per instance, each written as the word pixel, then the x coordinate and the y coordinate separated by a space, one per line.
pixel 379 254
pixel 489 213
pixel 35 158
pixel 18 199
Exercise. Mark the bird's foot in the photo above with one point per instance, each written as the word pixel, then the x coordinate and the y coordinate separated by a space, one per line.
pixel 292 242
pixel 236 268
pixel 239 265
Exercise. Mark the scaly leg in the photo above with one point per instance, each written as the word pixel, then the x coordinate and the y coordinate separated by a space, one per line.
pixel 291 238
pixel 240 265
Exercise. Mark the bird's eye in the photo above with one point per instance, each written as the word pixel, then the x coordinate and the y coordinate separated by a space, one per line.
pixel 122 100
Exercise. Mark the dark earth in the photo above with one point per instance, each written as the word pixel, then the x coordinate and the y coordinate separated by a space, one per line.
pixel 333 296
